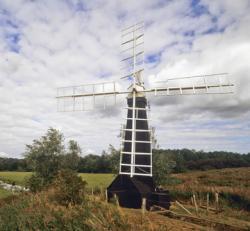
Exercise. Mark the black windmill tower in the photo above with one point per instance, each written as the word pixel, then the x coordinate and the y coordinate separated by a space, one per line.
pixel 135 179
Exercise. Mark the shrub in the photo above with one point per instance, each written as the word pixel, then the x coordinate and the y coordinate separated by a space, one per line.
pixel 68 188
pixel 35 183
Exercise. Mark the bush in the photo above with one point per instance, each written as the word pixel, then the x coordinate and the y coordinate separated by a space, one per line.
pixel 35 183
pixel 68 188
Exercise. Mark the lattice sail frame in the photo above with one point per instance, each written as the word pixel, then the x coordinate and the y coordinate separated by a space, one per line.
pixel 194 85
pixel 132 43
pixel 87 97
pixel 101 95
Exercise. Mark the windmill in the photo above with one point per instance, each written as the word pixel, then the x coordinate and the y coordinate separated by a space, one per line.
pixel 135 180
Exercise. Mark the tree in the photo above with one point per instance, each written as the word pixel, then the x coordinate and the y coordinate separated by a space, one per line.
pixel 180 163
pixel 114 156
pixel 45 155
pixel 162 167
pixel 72 158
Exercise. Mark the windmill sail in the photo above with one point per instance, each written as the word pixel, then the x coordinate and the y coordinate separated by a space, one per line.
pixel 88 97
pixel 132 51
pixel 194 85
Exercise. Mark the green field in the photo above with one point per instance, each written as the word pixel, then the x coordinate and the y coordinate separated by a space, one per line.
pixel 15 177
pixel 93 179
pixel 97 179
pixel 4 193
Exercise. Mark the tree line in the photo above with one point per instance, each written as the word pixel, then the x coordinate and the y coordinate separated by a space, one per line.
pixel 108 161
pixel 178 160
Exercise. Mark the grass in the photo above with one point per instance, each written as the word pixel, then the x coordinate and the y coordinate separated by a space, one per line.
pixel 15 177
pixel 237 219
pixel 232 184
pixel 93 180
pixel 235 177
pixel 229 180
pixel 225 181
pixel 97 180
pixel 41 212
pixel 4 193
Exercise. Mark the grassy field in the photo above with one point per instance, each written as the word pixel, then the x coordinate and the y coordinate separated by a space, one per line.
pixel 15 177
pixel 93 180
pixel 4 193
pixel 234 182
pixel 229 180
pixel 97 180
pixel 228 177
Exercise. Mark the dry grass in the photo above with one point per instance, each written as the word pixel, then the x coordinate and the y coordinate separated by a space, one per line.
pixel 134 219
pixel 153 221
pixel 227 216
pixel 229 183
pixel 232 180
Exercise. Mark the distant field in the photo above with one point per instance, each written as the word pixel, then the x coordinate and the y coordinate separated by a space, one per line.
pixel 229 180
pixel 93 180
pixel 227 177
pixel 16 177
pixel 98 179
pixel 237 178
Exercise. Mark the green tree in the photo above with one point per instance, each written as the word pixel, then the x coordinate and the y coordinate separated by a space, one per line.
pixel 72 157
pixel 114 156
pixel 180 163
pixel 162 167
pixel 45 156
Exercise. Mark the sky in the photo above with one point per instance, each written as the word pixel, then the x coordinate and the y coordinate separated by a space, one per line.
pixel 49 44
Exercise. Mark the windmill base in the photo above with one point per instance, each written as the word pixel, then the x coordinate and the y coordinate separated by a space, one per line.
pixel 131 190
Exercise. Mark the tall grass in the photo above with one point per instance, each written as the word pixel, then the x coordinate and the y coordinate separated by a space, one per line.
pixel 233 186
pixel 38 212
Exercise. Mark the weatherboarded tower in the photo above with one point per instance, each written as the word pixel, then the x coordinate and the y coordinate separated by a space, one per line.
pixel 135 180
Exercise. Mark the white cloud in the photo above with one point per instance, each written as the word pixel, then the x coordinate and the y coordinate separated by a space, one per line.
pixel 64 43
pixel 4 155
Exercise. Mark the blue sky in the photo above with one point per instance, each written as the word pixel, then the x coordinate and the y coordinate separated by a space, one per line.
pixel 49 44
